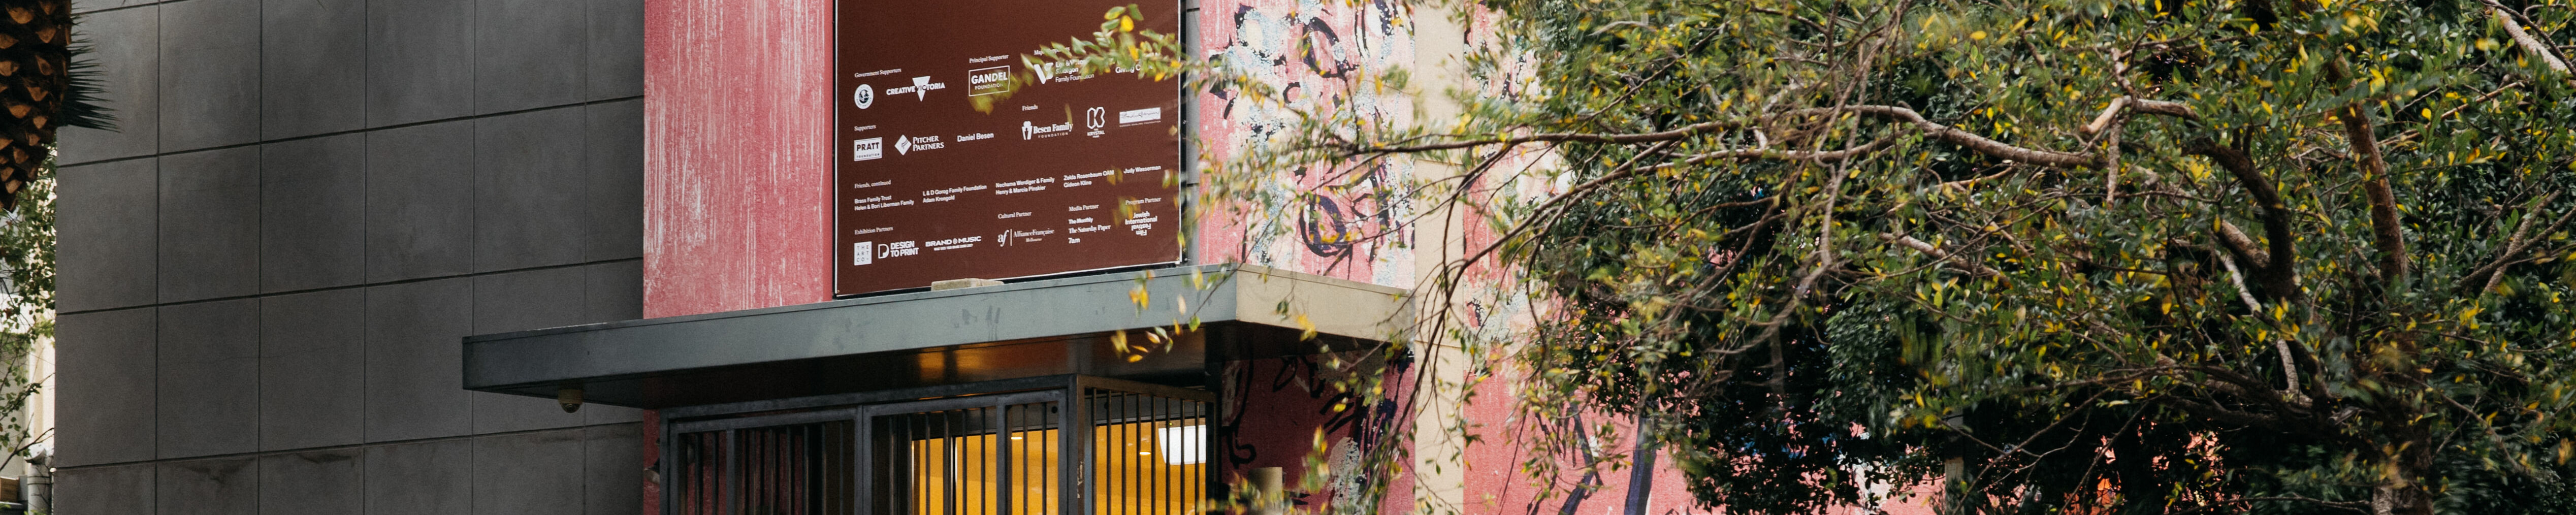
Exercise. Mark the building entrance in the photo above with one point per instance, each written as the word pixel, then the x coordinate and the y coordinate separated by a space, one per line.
pixel 1129 449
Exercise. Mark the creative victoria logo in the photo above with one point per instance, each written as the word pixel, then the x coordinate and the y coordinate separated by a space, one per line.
pixel 920 88
pixel 863 97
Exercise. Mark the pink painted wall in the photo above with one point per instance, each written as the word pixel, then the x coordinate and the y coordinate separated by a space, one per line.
pixel 736 117
pixel 1343 222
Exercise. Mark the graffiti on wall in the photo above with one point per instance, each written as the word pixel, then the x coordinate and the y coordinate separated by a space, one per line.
pixel 1344 221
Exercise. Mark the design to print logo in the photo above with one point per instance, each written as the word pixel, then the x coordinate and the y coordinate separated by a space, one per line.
pixel 898 249
pixel 902 145
pixel 866 149
pixel 920 88
pixel 987 81
pixel 863 97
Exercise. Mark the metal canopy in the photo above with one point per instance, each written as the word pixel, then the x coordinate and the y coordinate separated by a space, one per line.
pixel 1036 328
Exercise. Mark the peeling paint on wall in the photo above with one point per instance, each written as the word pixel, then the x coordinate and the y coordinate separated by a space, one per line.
pixel 735 186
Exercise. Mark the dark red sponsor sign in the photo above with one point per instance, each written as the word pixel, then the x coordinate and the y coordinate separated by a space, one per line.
pixel 1072 171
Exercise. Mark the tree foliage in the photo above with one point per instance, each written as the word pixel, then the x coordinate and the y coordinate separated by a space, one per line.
pixel 2150 256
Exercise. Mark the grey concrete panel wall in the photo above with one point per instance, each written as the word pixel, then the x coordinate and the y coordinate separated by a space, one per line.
pixel 209 378
pixel 313 67
pixel 411 363
pixel 528 473
pixel 269 270
pixel 209 74
pixel 226 486
pixel 530 54
pixel 420 60
pixel 420 218
pixel 427 478
pixel 107 408
pixel 312 372
pixel 615 150
pixel 614 26
pixel 209 212
pixel 122 37
pixel 528 189
pixel 107 244
pixel 313 213
pixel 315 483
pixel 105 490
pixel 609 453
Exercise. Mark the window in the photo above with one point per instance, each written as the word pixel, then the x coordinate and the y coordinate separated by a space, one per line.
pixel 1143 451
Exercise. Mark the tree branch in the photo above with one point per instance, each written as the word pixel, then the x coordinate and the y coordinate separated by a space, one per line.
pixel 2484 276
pixel 2280 279
pixel 1973 142
pixel 2386 234
pixel 1972 268
pixel 2530 45
pixel 1945 133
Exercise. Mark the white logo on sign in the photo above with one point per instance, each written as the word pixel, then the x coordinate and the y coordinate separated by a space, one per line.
pixel 863 253
pixel 1140 115
pixel 1031 130
pixel 1046 71
pixel 987 81
pixel 866 149
pixel 902 145
pixel 865 96
pixel 1095 117
pixel 920 88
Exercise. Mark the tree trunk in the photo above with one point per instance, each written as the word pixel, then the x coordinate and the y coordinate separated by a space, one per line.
pixel 2402 492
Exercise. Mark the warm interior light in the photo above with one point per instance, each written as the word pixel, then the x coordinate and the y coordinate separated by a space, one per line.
pixel 1184 445
pixel 972 465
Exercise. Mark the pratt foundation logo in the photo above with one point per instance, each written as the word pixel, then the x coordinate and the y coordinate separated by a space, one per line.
pixel 920 88
pixel 863 97
pixel 866 149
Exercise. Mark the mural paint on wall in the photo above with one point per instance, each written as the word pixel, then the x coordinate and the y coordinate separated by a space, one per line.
pixel 1346 222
